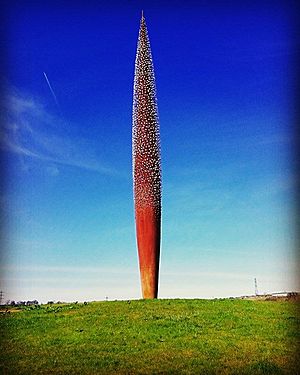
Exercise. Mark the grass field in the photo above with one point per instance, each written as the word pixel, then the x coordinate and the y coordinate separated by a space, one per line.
pixel 152 337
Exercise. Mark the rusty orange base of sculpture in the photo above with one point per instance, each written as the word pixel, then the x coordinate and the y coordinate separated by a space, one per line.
pixel 148 241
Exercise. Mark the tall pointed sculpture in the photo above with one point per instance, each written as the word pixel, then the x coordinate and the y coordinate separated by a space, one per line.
pixel 146 166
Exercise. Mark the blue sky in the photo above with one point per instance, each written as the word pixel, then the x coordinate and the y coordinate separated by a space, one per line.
pixel 225 85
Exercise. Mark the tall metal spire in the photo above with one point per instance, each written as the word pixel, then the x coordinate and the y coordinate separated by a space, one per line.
pixel 146 165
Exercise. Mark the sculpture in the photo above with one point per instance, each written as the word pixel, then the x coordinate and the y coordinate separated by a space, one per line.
pixel 146 166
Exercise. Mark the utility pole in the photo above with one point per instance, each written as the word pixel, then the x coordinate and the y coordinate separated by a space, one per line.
pixel 255 285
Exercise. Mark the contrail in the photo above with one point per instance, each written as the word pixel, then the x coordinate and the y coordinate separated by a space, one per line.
pixel 51 89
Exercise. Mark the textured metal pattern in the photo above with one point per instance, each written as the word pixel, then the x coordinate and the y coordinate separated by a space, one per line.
pixel 146 166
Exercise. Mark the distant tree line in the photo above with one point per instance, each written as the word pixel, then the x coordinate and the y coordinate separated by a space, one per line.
pixel 22 303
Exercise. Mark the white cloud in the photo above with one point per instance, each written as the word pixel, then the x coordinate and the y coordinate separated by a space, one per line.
pixel 71 283
pixel 68 269
pixel 34 134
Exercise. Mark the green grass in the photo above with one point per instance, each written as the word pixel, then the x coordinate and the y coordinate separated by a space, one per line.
pixel 152 337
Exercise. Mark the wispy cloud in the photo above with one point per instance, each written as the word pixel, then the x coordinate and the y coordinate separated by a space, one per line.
pixel 33 133
pixel 69 269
